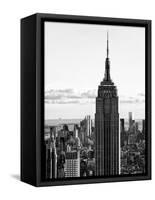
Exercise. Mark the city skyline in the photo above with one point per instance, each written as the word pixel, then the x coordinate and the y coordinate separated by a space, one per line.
pixel 70 148
pixel 81 100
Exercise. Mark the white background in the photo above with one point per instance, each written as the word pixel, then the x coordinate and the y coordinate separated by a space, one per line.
pixel 10 14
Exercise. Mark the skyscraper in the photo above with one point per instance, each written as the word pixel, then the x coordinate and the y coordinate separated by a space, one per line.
pixel 53 171
pixel 89 126
pixel 122 128
pixel 143 126
pixel 123 135
pixel 130 120
pixel 72 165
pixel 107 125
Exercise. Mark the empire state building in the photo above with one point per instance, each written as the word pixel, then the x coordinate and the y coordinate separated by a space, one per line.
pixel 107 125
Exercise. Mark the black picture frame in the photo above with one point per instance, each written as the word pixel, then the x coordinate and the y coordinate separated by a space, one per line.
pixel 32 95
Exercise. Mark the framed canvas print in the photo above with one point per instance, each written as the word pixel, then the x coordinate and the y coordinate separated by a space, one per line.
pixel 85 99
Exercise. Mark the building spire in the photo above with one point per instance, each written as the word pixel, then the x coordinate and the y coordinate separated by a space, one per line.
pixel 107 78
pixel 107 44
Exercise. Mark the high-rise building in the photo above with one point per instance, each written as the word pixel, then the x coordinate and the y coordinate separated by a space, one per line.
pixel 72 165
pixel 60 165
pixel 88 125
pixel 130 120
pixel 86 129
pixel 123 135
pixel 53 164
pixel 72 162
pixel 143 126
pixel 61 156
pixel 107 125
pixel 47 144
pixel 122 128
pixel 51 159
pixel 136 127
pixel 47 159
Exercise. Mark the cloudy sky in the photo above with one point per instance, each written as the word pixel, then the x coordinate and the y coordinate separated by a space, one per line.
pixel 75 64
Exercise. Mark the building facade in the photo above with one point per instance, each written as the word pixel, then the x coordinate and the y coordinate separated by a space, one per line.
pixel 89 125
pixel 53 170
pixel 72 165
pixel 107 125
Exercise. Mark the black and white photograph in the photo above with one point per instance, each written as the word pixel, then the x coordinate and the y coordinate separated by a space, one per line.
pixel 94 101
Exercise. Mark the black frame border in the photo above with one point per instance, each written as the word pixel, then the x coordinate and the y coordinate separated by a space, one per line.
pixel 40 19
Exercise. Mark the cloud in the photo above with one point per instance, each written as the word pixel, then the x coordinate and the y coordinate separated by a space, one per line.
pixel 141 94
pixel 69 96
pixel 89 94
pixel 58 94
pixel 133 100
pixel 62 102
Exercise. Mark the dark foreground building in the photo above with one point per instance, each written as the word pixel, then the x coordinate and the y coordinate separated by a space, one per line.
pixel 107 125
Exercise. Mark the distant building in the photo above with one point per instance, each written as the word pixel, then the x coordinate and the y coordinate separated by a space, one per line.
pixel 143 126
pixel 123 134
pixel 47 133
pixel 53 131
pixel 122 128
pixel 132 138
pixel 50 158
pixel 60 165
pixel 47 159
pixel 83 132
pixel 53 164
pixel 130 120
pixel 136 126
pixel 88 125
